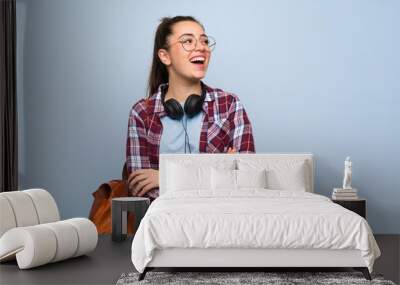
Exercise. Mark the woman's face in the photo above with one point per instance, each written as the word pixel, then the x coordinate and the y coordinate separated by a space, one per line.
pixel 188 54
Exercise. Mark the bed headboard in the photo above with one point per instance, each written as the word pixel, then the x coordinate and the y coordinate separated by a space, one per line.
pixel 212 158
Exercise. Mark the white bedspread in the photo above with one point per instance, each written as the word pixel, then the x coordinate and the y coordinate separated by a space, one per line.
pixel 250 218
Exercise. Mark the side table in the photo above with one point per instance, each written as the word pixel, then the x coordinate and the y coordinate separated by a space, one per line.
pixel 358 206
pixel 119 212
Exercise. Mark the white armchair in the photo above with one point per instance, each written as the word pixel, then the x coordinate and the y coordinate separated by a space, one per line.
pixel 31 230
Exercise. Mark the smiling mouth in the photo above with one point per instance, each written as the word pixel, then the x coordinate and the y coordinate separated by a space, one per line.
pixel 198 60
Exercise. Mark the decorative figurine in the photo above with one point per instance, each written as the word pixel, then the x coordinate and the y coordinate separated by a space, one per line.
pixel 347 174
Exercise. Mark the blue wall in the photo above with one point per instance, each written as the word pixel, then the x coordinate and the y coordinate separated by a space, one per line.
pixel 314 76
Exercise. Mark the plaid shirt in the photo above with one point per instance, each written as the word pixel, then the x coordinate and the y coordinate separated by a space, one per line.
pixel 225 124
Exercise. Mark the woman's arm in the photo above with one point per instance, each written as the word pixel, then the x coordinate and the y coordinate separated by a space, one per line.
pixel 136 143
pixel 241 133
pixel 141 177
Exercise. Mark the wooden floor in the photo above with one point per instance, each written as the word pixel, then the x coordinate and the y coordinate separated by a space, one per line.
pixel 110 260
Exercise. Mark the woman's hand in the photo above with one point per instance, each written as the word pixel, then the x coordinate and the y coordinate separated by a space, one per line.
pixel 231 150
pixel 142 181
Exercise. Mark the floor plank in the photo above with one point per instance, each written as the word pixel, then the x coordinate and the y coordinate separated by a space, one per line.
pixel 111 259
pixel 389 262
pixel 102 266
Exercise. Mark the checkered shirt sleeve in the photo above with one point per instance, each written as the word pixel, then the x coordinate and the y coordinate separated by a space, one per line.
pixel 241 133
pixel 136 145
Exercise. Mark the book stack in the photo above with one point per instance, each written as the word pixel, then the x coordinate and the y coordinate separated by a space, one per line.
pixel 344 194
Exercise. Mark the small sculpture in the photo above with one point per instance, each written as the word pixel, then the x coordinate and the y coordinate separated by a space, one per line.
pixel 347 174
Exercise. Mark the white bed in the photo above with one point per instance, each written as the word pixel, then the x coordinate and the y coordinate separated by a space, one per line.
pixel 202 220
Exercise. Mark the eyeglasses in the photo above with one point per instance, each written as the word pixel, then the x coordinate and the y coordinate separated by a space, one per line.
pixel 189 42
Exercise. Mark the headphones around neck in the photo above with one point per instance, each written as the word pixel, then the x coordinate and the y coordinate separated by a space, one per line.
pixel 193 104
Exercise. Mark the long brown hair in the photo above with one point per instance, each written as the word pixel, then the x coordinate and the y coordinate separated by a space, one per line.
pixel 158 72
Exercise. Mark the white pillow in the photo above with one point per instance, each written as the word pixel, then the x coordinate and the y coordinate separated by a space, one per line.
pixel 182 177
pixel 251 178
pixel 223 179
pixel 228 179
pixel 281 174
pixel 183 173
pixel 288 179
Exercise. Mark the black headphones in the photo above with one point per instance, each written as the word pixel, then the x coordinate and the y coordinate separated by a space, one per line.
pixel 193 104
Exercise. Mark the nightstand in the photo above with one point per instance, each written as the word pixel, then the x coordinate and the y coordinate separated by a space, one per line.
pixel 358 206
pixel 119 208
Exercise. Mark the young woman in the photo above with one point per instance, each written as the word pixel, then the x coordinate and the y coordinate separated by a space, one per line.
pixel 181 114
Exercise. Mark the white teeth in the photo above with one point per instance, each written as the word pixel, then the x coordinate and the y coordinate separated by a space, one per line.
pixel 197 58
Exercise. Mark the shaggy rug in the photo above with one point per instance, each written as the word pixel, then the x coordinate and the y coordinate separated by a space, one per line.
pixel 269 278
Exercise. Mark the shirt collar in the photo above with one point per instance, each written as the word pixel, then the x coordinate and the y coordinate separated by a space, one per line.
pixel 157 107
